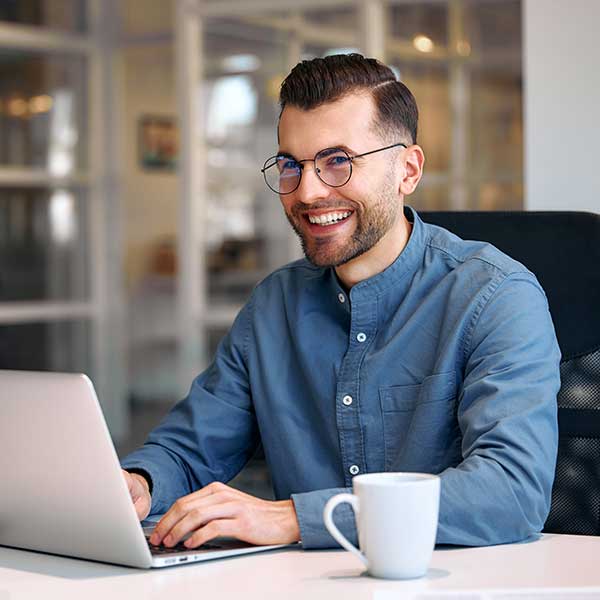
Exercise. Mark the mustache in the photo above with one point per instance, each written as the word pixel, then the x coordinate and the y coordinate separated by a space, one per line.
pixel 300 208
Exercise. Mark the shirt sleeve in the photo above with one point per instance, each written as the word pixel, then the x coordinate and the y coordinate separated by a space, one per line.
pixel 507 414
pixel 211 434
pixel 309 510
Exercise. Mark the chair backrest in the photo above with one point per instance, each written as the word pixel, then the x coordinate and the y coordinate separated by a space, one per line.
pixel 563 250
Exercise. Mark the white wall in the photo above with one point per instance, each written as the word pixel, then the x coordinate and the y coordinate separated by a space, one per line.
pixel 562 104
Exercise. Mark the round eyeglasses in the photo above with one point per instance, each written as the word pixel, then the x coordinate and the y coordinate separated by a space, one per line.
pixel 333 167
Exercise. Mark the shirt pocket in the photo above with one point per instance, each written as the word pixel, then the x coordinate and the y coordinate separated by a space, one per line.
pixel 420 428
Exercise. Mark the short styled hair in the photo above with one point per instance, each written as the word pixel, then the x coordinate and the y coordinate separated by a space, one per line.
pixel 312 83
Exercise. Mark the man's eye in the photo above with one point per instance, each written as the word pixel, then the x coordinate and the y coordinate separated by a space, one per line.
pixel 287 165
pixel 337 161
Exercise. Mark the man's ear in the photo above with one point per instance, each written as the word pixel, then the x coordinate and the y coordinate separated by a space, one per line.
pixel 413 159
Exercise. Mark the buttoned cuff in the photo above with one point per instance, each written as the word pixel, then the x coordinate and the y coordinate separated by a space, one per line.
pixel 309 509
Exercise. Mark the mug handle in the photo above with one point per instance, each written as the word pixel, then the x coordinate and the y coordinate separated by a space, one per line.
pixel 334 531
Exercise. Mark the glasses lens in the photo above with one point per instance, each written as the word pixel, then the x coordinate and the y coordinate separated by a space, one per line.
pixel 334 166
pixel 282 174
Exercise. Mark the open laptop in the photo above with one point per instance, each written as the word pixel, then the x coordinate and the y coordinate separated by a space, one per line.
pixel 61 486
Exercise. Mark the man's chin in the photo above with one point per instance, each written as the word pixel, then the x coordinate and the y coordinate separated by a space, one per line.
pixel 324 260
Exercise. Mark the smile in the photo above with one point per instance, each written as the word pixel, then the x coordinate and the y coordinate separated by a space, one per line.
pixel 329 218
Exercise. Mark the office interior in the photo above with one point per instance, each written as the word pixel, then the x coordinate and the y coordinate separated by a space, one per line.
pixel 134 221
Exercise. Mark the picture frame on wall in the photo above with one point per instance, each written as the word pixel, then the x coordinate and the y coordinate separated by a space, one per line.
pixel 158 142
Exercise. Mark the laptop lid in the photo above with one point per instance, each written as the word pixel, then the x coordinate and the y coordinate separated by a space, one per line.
pixel 61 489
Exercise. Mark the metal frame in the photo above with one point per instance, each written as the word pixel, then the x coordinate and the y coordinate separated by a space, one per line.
pixel 191 284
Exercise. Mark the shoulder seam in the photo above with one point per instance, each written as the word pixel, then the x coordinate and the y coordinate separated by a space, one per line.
pixel 497 267
pixel 492 288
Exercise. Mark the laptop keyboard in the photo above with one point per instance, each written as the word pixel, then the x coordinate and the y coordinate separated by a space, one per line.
pixel 159 550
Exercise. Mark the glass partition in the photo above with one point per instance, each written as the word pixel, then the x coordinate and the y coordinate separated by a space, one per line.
pixel 246 233
pixel 64 15
pixel 43 249
pixel 42 111
pixel 47 346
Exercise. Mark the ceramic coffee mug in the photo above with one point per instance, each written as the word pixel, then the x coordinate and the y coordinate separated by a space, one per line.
pixel 396 517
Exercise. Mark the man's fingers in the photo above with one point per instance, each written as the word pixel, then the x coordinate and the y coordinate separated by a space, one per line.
pixel 183 507
pixel 197 518
pixel 220 527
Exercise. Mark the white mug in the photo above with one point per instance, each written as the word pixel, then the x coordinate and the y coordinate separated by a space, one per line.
pixel 396 517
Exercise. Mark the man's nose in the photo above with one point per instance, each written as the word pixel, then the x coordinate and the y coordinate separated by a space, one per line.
pixel 311 188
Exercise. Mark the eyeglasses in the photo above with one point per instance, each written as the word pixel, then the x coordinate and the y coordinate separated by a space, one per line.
pixel 333 167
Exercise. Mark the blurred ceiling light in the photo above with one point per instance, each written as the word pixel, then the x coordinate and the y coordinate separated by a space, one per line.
pixel 40 104
pixel 241 63
pixel 16 107
pixel 423 43
pixel 63 225
pixel 463 48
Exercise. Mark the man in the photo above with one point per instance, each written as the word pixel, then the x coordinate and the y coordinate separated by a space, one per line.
pixel 395 346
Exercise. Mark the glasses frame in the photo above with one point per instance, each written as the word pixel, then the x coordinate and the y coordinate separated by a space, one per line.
pixel 265 168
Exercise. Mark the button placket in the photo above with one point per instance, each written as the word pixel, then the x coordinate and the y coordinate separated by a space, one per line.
pixel 363 325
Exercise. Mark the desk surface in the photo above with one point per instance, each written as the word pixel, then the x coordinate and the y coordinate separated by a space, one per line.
pixel 552 561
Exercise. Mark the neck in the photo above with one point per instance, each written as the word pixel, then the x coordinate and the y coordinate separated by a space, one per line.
pixel 378 258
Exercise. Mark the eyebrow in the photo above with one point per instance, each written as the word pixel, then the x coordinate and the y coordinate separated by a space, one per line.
pixel 347 149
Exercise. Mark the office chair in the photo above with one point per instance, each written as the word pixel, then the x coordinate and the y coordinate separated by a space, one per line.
pixel 563 250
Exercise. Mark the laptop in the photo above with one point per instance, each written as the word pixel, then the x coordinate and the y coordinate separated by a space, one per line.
pixel 61 486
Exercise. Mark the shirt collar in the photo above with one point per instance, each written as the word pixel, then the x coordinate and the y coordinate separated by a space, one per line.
pixel 407 262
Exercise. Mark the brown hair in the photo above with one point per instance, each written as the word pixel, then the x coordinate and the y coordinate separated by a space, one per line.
pixel 321 80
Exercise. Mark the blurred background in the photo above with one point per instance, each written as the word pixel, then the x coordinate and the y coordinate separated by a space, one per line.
pixel 134 221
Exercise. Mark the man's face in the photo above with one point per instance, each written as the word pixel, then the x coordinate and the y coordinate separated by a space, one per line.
pixel 369 203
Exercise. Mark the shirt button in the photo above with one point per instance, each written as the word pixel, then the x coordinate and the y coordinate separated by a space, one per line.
pixel 354 470
pixel 341 298
pixel 347 400
pixel 361 337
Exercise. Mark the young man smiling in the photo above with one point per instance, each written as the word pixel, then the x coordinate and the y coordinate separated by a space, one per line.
pixel 395 346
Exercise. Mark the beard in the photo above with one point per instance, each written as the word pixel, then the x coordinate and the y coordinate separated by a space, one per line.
pixel 373 220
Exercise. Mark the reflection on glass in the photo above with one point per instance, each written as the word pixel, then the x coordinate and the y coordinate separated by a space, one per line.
pixel 496 195
pixel 496 125
pixel 42 245
pixel 65 15
pixel 494 26
pixel 342 18
pixel 55 346
pixel 423 24
pixel 429 83
pixel 246 231
pixel 232 104
pixel 429 197
pixel 42 111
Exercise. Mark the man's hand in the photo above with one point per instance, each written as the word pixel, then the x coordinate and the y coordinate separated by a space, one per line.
pixel 140 493
pixel 219 510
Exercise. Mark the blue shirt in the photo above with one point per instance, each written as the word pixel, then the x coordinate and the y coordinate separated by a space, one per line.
pixel 446 362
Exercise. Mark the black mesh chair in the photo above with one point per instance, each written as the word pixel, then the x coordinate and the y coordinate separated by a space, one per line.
pixel 563 250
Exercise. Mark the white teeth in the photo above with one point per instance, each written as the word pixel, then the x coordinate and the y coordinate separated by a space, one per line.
pixel 329 218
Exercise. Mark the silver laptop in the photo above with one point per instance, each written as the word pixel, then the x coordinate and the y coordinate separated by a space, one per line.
pixel 61 486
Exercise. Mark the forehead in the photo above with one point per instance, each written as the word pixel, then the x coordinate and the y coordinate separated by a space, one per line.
pixel 346 121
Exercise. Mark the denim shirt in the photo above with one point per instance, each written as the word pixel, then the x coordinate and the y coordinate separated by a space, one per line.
pixel 446 362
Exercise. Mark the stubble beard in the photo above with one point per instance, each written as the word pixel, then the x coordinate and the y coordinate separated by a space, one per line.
pixel 372 223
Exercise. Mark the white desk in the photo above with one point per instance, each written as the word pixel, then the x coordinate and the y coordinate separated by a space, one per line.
pixel 552 561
